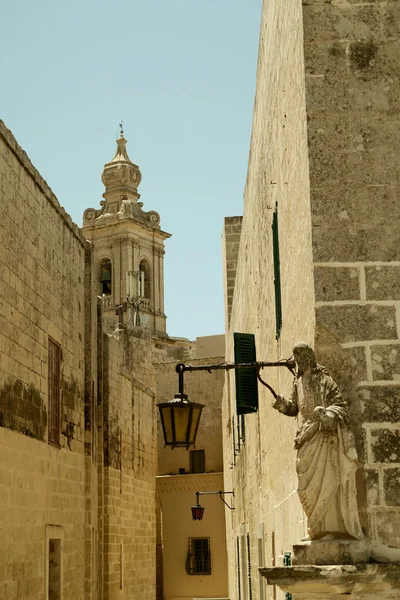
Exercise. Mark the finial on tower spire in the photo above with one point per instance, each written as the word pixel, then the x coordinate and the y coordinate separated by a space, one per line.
pixel 121 131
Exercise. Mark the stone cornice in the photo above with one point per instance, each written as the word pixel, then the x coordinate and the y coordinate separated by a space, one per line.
pixel 114 221
pixel 196 482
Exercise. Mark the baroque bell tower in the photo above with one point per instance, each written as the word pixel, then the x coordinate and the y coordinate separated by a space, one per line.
pixel 128 247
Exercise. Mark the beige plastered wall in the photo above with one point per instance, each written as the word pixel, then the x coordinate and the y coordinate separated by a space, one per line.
pixel 177 495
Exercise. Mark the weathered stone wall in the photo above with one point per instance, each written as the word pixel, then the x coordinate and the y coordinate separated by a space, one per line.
pixel 129 466
pixel 40 487
pixel 230 246
pixel 42 295
pixel 323 148
pixel 353 85
pixel 263 474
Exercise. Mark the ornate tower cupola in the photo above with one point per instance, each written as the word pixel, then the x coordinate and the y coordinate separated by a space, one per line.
pixel 121 174
pixel 128 246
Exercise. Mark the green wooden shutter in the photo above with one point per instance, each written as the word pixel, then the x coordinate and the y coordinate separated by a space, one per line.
pixel 246 379
pixel 277 274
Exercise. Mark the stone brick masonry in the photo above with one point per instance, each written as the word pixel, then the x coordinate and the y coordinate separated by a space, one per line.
pixel 323 151
pixel 94 494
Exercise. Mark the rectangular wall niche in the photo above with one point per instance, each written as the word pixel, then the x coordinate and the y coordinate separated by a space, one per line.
pixel 54 569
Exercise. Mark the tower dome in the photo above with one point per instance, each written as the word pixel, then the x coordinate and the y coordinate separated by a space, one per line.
pixel 121 174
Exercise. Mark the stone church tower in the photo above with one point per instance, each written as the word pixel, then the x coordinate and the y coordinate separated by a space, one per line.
pixel 128 246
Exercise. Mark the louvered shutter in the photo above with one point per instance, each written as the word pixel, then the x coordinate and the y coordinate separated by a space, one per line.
pixel 246 379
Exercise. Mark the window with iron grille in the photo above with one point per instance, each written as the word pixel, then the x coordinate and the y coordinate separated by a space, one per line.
pixel 54 356
pixel 198 560
pixel 197 461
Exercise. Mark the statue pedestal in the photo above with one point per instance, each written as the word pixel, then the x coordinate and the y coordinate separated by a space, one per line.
pixel 358 569
pixel 336 552
pixel 365 581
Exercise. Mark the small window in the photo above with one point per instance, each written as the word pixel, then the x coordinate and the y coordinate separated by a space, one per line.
pixel 105 277
pixel 198 560
pixel 197 461
pixel 144 279
pixel 54 356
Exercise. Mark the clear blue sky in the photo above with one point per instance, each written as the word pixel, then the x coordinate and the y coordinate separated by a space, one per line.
pixel 181 75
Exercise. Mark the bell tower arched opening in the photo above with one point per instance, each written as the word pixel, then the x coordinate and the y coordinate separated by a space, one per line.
pixel 144 279
pixel 105 277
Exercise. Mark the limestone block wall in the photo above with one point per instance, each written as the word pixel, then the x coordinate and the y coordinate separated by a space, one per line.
pixel 352 91
pixel 42 491
pixel 260 466
pixel 36 299
pixel 323 149
pixel 230 246
pixel 358 340
pixel 42 296
pixel 129 555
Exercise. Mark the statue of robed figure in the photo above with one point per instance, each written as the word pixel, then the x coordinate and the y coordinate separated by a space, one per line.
pixel 326 454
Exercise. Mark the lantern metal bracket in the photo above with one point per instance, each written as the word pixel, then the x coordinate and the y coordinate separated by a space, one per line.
pixel 220 493
pixel 181 368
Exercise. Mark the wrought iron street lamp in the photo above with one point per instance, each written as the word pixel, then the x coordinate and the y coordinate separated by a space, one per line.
pixel 180 418
pixel 198 511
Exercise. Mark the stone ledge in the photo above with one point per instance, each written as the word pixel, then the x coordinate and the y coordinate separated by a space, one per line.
pixel 335 552
pixel 344 552
pixel 335 580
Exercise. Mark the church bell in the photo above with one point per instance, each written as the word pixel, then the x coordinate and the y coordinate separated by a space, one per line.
pixel 106 277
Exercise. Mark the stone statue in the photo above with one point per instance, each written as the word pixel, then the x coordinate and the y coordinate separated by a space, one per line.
pixel 326 454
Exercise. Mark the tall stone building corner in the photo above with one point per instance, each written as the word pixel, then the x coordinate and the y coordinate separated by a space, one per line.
pixel 315 260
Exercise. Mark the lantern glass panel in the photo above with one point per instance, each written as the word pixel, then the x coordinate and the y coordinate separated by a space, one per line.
pixel 197 512
pixel 181 416
pixel 195 423
pixel 167 423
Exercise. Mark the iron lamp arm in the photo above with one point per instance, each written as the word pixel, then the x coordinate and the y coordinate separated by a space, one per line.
pixel 181 368
pixel 220 493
